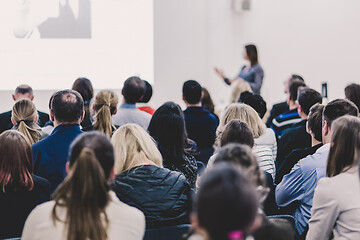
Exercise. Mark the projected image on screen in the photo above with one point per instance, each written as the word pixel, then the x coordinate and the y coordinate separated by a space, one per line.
pixel 49 43
pixel 52 19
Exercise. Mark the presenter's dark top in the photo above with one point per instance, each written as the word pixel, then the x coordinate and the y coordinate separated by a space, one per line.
pixel 51 154
pixel 201 126
pixel 15 206
pixel 254 76
pixel 6 124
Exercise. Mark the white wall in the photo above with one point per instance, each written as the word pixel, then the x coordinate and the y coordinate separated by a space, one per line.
pixel 317 39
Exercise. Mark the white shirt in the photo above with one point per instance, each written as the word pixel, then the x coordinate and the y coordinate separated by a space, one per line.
pixel 125 222
pixel 268 139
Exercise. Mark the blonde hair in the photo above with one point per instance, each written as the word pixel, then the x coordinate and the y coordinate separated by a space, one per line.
pixel 105 104
pixel 239 86
pixel 24 115
pixel 133 146
pixel 244 113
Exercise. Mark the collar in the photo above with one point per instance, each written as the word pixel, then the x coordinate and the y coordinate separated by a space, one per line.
pixel 195 108
pixel 127 105
pixel 66 128
pixel 324 148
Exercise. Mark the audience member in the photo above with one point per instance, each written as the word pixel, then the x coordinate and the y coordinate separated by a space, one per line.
pixel 83 206
pixel 282 107
pixel 287 119
pixel 22 91
pixel 247 114
pixel 200 123
pixel 84 87
pixel 133 91
pixel 226 204
pixel 167 127
pixel 298 186
pixel 268 138
pixel 336 205
pixel 104 106
pixel 20 190
pixel 237 89
pixel 164 196
pixel 51 154
pixel 296 136
pixel 241 155
pixel 143 103
pixel 24 118
pixel 207 102
pixel 352 93
pixel 49 125
pixel 314 128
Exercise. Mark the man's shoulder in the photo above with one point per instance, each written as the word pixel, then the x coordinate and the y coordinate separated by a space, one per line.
pixel 5 114
pixel 314 161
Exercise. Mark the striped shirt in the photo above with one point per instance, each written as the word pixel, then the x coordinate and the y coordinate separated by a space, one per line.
pixel 265 159
pixel 284 121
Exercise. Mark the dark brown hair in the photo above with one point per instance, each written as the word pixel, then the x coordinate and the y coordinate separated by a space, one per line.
pixel 252 54
pixel 85 191
pixel 345 145
pixel 84 87
pixel 352 92
pixel 338 108
pixel 314 121
pixel 206 101
pixel 16 163
pixel 293 88
pixel 237 131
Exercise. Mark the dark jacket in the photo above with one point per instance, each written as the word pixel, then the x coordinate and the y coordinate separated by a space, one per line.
pixel 6 124
pixel 164 196
pixel 16 206
pixel 51 154
pixel 276 110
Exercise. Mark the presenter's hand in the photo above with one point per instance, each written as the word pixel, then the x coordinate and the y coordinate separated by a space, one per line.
pixel 219 72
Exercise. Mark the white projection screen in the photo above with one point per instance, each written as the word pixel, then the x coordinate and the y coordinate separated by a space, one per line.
pixel 49 43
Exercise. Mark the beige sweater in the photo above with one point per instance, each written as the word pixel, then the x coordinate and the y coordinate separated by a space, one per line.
pixel 126 223
pixel 336 208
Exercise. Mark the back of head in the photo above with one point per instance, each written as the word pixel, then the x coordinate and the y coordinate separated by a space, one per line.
pixel 192 91
pixel 226 203
pixel 307 97
pixel 352 93
pixel 84 192
pixel 147 94
pixel 293 88
pixel 105 105
pixel 67 106
pixel 16 163
pixel 255 101
pixel 206 101
pixel 314 121
pixel 133 90
pixel 167 127
pixel 241 155
pixel 238 87
pixel 23 91
pixel 237 131
pixel 133 146
pixel 338 108
pixel 24 114
pixel 296 77
pixel 246 114
pixel 252 54
pixel 85 88
pixel 344 154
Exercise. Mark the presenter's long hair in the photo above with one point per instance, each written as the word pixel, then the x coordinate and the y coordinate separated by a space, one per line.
pixel 345 145
pixel 85 191
pixel 25 115
pixel 252 54
pixel 105 104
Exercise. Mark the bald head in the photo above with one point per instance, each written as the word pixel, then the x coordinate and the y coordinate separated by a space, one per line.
pixel 23 91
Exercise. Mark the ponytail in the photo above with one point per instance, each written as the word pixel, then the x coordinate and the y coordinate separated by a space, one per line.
pixel 32 134
pixel 84 193
pixel 105 105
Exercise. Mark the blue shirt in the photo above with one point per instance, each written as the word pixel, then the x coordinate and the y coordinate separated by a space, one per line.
pixel 254 76
pixel 201 126
pixel 51 154
pixel 299 185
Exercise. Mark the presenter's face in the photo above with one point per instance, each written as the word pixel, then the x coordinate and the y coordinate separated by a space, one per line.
pixel 245 56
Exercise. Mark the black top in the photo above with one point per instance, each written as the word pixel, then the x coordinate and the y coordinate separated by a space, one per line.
pixel 6 124
pixel 16 206
pixel 291 159
pixel 270 206
pixel 201 126
pixel 91 128
pixel 276 110
pixel 164 196
pixel 293 138
pixel 188 168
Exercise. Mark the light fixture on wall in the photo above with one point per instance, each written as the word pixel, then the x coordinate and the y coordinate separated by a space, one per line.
pixel 241 5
